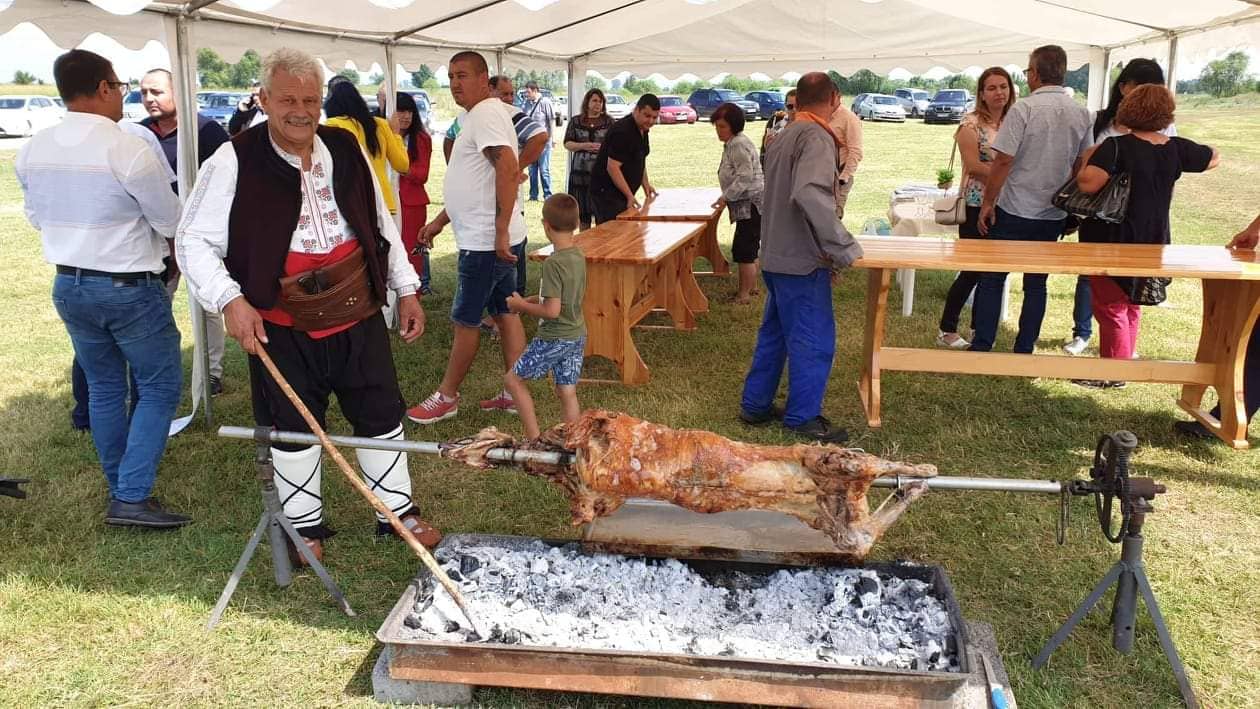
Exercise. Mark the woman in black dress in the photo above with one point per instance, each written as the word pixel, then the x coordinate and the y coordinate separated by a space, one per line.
pixel 583 138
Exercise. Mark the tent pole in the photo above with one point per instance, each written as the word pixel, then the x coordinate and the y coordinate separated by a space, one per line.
pixel 1172 64
pixel 186 95
pixel 391 88
pixel 498 62
pixel 1099 73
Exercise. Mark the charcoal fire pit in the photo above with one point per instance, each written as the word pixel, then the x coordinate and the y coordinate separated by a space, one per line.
pixel 578 616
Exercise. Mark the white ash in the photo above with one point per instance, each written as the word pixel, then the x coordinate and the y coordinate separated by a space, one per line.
pixel 559 597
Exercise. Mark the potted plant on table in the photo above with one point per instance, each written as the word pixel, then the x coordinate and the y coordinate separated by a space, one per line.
pixel 945 178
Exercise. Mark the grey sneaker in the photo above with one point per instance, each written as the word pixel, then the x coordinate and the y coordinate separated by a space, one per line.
pixel 1075 346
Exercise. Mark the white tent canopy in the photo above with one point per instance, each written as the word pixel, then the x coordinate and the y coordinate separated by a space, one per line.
pixel 666 36
pixel 644 36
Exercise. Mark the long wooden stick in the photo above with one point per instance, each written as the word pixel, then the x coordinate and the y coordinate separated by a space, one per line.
pixel 359 485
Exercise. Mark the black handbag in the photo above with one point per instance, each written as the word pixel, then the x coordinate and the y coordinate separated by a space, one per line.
pixel 1145 290
pixel 1109 204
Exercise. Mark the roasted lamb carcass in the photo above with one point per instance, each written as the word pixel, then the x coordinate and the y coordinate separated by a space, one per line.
pixel 618 456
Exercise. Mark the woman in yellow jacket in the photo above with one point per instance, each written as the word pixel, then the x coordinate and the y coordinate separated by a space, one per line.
pixel 346 109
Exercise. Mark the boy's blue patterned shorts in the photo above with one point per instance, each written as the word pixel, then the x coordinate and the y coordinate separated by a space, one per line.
pixel 563 358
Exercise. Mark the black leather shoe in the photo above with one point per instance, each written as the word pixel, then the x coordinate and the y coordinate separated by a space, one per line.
pixel 216 385
pixel 820 430
pixel 774 413
pixel 148 513
pixel 1193 429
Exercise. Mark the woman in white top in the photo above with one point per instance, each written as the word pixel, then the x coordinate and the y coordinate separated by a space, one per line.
pixel 974 138
pixel 742 182
pixel 1134 74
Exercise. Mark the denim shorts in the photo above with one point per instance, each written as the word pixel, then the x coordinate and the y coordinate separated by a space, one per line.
pixel 563 358
pixel 484 285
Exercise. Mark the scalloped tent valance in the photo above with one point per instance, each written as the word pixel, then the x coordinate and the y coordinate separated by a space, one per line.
pixel 666 36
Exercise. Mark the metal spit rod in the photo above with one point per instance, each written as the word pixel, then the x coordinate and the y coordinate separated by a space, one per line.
pixel 511 455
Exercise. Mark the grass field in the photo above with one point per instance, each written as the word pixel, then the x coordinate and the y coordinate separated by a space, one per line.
pixel 91 616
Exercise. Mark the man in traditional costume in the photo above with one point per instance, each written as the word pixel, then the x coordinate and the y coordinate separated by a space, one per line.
pixel 287 234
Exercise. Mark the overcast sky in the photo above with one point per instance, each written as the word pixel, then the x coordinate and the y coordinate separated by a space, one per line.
pixel 27 48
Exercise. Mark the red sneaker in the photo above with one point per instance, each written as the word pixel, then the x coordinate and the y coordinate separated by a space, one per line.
pixel 433 409
pixel 502 402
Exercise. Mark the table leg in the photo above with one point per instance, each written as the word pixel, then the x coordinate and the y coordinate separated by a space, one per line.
pixel 710 250
pixel 1230 309
pixel 878 280
pixel 668 289
pixel 695 298
pixel 907 293
pixel 610 290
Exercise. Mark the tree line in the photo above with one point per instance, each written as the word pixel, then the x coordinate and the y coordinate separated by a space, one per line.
pixel 1224 77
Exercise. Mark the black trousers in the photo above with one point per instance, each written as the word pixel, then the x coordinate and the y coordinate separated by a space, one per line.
pixel 607 205
pixel 355 364
pixel 966 281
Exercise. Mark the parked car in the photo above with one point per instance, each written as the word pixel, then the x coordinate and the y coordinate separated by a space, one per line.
pixel 706 101
pixel 948 106
pixel 881 107
pixel 857 100
pixel 26 115
pixel 769 102
pixel 221 106
pixel 914 101
pixel 675 110
pixel 616 106
pixel 133 106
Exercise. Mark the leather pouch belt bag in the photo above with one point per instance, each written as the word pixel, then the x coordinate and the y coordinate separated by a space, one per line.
pixel 329 297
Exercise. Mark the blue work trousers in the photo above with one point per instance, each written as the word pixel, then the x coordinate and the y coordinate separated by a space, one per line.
pixel 798 329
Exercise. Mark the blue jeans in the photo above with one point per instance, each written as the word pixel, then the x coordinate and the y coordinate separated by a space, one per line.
pixel 540 170
pixel 1082 310
pixel 113 327
pixel 797 329
pixel 986 309
pixel 485 283
pixel 79 387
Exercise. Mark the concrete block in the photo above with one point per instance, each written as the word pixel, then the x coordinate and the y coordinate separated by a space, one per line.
pixel 975 693
pixel 387 690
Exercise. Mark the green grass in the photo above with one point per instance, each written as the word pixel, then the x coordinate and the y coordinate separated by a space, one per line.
pixel 92 616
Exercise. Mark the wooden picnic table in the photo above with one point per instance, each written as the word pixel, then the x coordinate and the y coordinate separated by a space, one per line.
pixel 634 268
pixel 688 205
pixel 1231 303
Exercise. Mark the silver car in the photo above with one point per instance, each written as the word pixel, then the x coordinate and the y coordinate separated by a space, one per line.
pixel 913 101
pixel 881 107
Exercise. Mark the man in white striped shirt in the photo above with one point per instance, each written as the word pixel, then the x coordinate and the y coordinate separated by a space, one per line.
pixel 104 209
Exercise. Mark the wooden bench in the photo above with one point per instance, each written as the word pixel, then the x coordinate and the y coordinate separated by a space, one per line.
pixel 1231 303
pixel 634 268
pixel 688 205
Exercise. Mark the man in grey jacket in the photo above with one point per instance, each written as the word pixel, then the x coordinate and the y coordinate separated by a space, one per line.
pixel 803 246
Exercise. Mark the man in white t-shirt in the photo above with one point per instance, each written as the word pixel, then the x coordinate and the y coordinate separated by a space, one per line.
pixel 480 192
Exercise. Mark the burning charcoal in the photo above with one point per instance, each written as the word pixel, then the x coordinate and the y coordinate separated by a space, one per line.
pixel 412 621
pixel 468 564
pixel 451 626
pixel 455 575
pixel 731 605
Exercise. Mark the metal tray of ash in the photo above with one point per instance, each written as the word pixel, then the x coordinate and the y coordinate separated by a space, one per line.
pixel 579 616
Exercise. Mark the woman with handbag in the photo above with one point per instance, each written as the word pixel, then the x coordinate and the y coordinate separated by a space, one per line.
pixel 1151 162
pixel 1137 72
pixel 973 141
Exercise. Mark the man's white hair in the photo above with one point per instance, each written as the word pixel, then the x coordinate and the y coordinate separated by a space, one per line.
pixel 293 61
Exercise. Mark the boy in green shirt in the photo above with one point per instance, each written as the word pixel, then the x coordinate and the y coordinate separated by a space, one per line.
pixel 559 345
